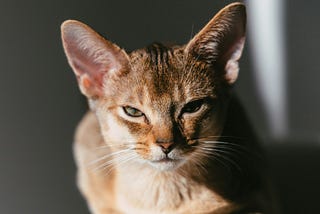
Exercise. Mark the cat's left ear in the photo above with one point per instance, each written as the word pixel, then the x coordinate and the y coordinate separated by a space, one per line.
pixel 220 42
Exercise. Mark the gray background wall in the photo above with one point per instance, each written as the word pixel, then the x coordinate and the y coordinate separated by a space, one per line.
pixel 41 104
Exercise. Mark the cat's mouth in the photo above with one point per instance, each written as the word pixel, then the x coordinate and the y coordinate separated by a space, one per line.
pixel 165 164
pixel 164 160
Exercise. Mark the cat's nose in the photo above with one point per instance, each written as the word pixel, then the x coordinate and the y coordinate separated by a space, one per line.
pixel 166 146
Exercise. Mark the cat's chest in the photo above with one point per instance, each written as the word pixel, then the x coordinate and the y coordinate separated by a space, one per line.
pixel 168 195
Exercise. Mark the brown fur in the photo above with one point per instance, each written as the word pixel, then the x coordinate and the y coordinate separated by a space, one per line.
pixel 187 153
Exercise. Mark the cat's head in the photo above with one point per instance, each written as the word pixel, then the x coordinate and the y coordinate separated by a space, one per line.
pixel 159 103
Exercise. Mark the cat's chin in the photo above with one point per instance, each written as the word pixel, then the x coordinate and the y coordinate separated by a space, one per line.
pixel 166 164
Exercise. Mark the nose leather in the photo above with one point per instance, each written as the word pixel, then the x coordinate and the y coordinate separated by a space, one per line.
pixel 166 145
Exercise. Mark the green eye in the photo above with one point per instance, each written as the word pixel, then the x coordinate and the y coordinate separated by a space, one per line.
pixel 132 112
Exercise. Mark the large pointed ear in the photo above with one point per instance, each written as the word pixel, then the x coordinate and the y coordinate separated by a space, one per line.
pixel 220 42
pixel 91 57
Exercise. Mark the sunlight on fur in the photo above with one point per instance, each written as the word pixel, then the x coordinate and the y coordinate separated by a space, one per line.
pixel 164 134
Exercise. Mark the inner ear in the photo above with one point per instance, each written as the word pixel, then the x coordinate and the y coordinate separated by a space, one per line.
pixel 220 42
pixel 91 57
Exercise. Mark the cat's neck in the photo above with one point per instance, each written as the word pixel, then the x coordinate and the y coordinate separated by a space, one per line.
pixel 155 187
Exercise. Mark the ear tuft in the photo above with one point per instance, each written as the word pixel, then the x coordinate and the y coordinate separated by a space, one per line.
pixel 91 57
pixel 220 42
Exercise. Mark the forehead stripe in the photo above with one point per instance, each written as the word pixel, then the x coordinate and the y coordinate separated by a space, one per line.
pixel 159 54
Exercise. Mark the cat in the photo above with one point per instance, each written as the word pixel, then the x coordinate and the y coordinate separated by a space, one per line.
pixel 164 134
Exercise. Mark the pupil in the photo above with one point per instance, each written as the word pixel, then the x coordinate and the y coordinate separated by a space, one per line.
pixel 193 106
pixel 192 109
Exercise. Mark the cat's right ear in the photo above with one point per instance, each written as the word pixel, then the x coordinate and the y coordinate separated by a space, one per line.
pixel 91 57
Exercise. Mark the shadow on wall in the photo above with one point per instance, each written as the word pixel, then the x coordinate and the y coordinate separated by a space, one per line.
pixel 295 170
pixel 277 29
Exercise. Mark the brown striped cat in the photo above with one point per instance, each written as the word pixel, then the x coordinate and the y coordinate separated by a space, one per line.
pixel 164 133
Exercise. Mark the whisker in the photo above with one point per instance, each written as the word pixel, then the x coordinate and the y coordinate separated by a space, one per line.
pixel 137 149
pixel 114 146
pixel 192 32
pixel 212 147
pixel 107 156
pixel 210 137
pixel 237 148
pixel 122 162
pixel 113 161
pixel 221 142
pixel 216 142
pixel 219 151
pixel 199 162
pixel 227 156
pixel 212 155
pixel 228 159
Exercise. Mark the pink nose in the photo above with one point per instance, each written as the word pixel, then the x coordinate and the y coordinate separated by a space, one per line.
pixel 166 147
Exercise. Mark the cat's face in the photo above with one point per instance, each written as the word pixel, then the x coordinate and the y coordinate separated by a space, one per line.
pixel 161 108
pixel 159 104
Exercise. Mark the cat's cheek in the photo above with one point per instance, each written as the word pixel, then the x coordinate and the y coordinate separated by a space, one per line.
pixel 190 125
pixel 211 126
pixel 112 131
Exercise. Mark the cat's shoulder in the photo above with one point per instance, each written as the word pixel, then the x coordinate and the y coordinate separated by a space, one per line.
pixel 88 127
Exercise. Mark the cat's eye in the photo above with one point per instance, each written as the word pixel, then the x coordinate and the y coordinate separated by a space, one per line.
pixel 132 112
pixel 192 107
